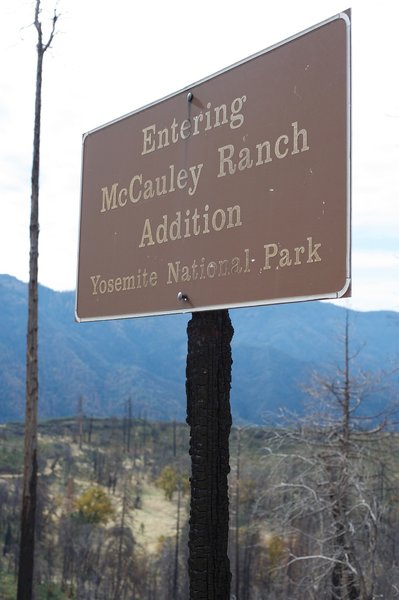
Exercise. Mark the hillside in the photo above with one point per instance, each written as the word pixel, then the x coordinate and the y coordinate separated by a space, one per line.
pixel 275 350
pixel 80 529
pixel 114 503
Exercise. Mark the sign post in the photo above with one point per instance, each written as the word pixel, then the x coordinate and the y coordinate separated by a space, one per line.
pixel 208 383
pixel 232 192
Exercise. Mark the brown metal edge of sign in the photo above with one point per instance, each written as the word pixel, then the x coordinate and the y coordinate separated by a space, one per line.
pixel 345 16
pixel 345 292
pixel 190 309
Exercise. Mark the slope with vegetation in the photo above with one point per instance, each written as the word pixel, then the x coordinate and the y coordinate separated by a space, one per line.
pixel 114 498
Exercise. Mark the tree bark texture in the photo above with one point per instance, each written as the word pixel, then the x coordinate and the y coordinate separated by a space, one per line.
pixel 208 382
pixel 28 514
pixel 29 501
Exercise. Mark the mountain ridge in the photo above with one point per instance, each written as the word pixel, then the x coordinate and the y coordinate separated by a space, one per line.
pixel 275 350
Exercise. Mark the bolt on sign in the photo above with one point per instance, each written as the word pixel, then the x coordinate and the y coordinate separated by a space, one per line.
pixel 232 192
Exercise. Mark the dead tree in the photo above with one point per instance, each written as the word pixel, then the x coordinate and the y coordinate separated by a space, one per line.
pixel 327 473
pixel 28 514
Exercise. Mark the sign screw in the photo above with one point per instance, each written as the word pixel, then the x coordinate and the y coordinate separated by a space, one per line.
pixel 182 297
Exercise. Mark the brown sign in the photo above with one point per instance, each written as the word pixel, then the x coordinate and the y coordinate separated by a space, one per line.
pixel 232 192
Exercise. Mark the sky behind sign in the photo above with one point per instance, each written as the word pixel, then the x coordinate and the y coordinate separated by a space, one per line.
pixel 106 62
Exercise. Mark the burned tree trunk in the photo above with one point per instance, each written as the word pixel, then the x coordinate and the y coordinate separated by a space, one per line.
pixel 28 513
pixel 208 414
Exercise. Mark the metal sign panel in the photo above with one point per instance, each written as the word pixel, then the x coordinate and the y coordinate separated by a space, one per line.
pixel 232 192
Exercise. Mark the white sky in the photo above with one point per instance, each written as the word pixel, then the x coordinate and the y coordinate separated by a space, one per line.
pixel 110 58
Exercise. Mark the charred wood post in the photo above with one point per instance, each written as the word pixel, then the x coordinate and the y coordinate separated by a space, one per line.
pixel 209 417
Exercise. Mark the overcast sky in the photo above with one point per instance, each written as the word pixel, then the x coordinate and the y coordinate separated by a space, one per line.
pixel 111 58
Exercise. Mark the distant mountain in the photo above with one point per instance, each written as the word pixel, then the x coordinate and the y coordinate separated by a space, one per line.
pixel 275 350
